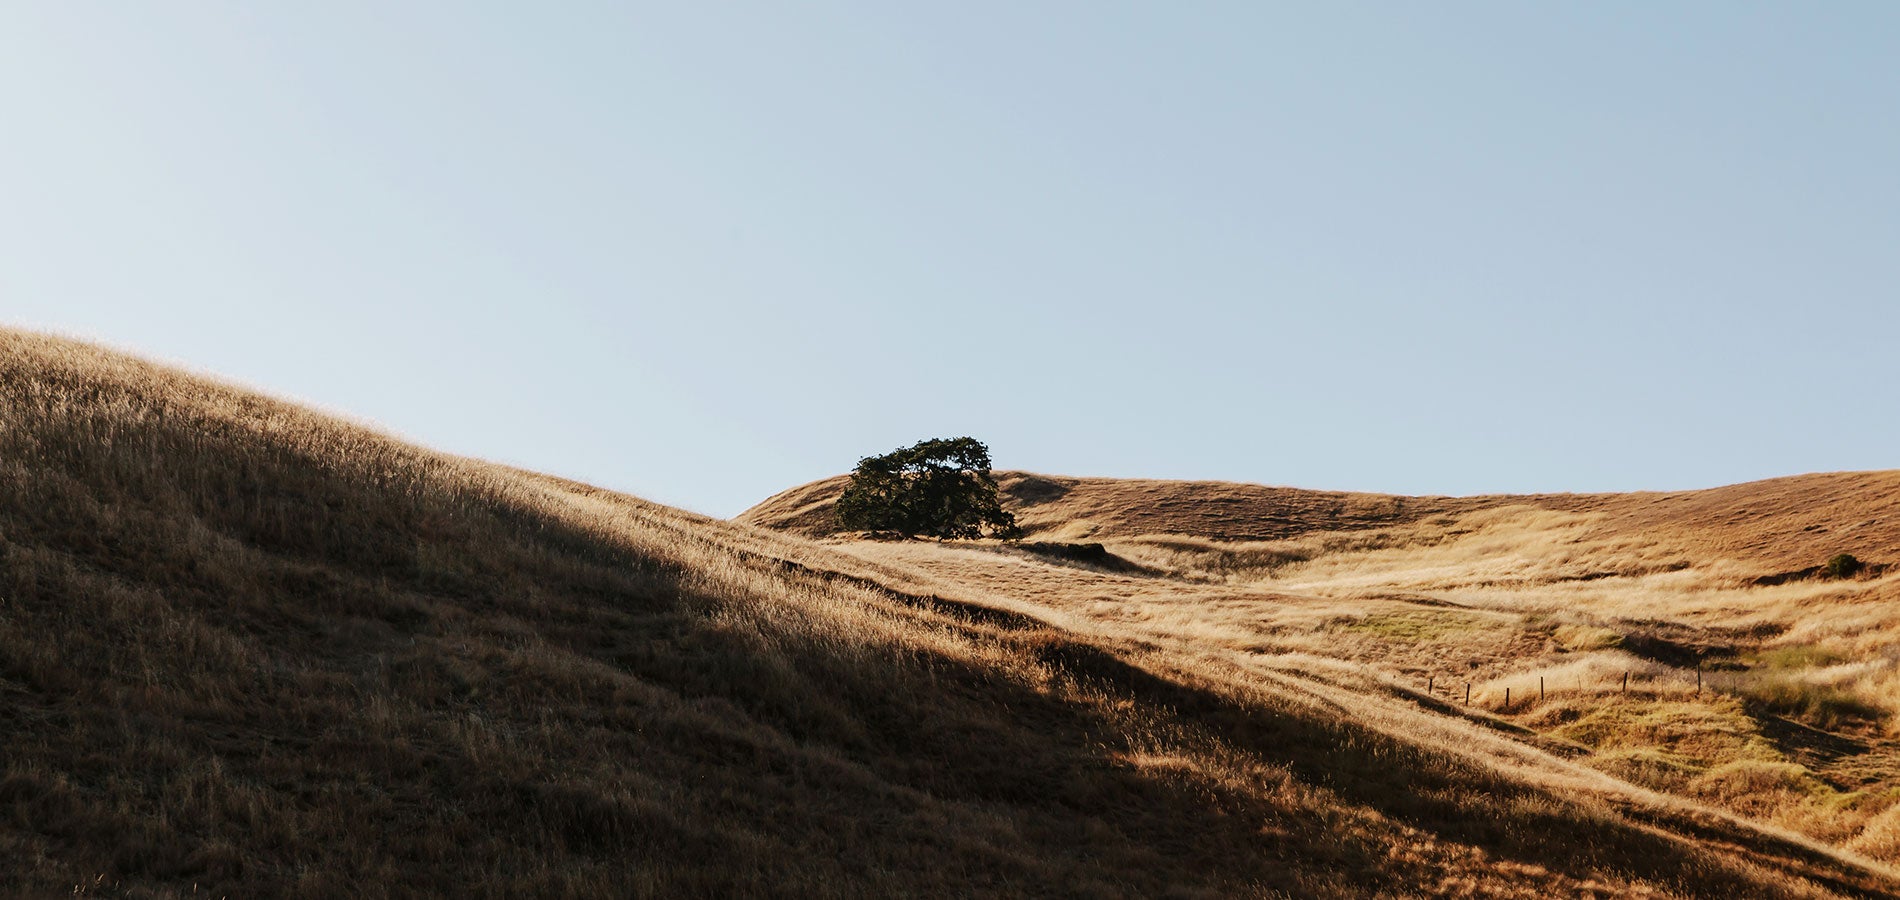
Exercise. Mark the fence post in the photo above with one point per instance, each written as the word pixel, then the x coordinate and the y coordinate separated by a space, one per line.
pixel 1626 682
pixel 1467 693
pixel 1698 677
pixel 1429 679
pixel 1507 698
pixel 1540 688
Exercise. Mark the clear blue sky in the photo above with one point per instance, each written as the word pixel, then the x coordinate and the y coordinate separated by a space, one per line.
pixel 706 251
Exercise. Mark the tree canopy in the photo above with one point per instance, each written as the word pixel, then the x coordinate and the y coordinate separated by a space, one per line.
pixel 938 488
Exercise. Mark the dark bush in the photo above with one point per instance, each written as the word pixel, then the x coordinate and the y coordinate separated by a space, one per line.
pixel 1842 565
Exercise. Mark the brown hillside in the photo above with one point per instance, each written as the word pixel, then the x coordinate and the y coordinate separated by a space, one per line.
pixel 1126 507
pixel 1684 641
pixel 248 650
pixel 1776 525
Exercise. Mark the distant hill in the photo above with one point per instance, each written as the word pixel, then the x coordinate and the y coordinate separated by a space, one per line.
pixel 1774 525
pixel 251 650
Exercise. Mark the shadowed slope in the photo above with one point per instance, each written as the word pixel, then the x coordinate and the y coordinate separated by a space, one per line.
pixel 249 650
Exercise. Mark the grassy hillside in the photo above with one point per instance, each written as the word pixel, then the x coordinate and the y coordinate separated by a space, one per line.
pixel 1051 506
pixel 1685 642
pixel 249 650
pixel 1782 524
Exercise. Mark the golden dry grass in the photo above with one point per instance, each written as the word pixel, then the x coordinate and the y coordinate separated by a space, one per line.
pixel 1595 613
pixel 1777 525
pixel 248 650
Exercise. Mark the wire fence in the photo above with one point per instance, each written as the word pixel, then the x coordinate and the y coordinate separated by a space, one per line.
pixel 1695 682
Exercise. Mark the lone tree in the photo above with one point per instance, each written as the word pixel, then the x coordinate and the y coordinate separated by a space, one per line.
pixel 938 488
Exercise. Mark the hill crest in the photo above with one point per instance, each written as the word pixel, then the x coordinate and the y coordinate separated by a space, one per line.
pixel 1773 525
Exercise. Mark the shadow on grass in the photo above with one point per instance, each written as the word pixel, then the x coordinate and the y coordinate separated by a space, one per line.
pixel 259 669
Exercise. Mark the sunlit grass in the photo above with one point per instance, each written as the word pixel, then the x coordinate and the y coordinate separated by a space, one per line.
pixel 256 651
pixel 1577 624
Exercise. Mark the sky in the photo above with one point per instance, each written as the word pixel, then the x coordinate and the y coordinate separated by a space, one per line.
pixel 703 252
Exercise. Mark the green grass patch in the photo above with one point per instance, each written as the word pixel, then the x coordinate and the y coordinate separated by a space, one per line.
pixel 1821 705
pixel 1688 733
pixel 1577 638
pixel 1414 627
pixel 1754 785
pixel 1649 767
pixel 1710 750
pixel 1804 656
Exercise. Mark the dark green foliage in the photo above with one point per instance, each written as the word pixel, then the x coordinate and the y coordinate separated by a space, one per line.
pixel 938 488
pixel 1842 565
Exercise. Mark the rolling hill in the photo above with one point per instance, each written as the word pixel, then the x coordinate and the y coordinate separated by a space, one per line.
pixel 247 649
pixel 1778 524
pixel 1686 642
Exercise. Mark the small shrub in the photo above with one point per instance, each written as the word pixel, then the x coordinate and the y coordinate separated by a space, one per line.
pixel 1842 565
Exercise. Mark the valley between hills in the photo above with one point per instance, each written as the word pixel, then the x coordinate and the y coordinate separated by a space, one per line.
pixel 247 649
